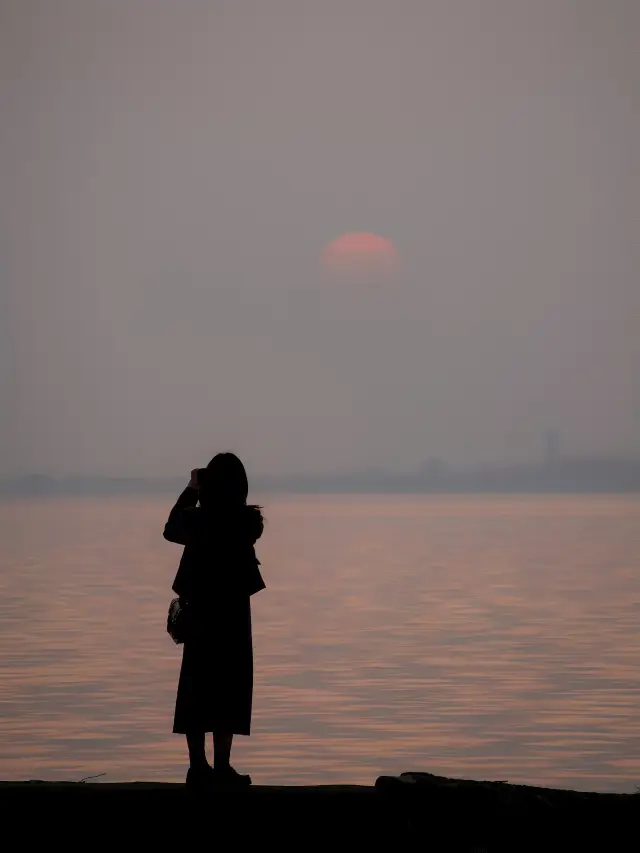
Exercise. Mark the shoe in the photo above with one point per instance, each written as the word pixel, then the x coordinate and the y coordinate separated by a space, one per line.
pixel 230 776
pixel 200 777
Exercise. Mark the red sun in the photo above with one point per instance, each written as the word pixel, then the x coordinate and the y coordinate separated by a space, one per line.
pixel 361 255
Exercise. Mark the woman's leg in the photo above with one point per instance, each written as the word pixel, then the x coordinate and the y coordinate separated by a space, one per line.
pixel 197 754
pixel 221 750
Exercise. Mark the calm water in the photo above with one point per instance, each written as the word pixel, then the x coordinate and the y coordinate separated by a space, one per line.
pixel 492 637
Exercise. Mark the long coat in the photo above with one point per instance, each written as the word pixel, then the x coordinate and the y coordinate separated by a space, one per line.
pixel 218 573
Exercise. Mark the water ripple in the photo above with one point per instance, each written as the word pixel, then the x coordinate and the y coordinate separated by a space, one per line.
pixel 489 637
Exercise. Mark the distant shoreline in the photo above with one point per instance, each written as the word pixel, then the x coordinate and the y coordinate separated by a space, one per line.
pixel 131 492
pixel 564 476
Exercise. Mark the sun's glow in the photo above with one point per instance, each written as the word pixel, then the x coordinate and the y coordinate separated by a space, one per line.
pixel 361 255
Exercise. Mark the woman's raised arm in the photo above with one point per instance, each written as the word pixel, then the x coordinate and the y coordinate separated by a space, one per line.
pixel 175 530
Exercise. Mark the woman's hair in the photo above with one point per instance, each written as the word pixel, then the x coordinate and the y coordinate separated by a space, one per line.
pixel 224 481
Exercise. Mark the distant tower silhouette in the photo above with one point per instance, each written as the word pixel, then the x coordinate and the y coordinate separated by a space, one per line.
pixel 552 443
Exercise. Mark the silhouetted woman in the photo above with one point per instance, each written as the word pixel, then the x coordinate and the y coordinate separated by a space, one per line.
pixel 217 575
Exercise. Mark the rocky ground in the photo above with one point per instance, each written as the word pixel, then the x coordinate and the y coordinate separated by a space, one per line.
pixel 423 811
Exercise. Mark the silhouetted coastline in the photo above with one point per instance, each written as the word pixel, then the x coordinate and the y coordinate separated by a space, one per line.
pixel 571 475
pixel 439 812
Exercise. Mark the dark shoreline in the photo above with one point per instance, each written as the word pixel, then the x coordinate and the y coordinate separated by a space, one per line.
pixel 564 475
pixel 438 813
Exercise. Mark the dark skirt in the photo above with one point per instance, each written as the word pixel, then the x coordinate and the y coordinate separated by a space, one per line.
pixel 215 689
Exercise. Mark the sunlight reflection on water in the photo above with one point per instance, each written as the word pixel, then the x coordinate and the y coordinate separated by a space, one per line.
pixel 492 637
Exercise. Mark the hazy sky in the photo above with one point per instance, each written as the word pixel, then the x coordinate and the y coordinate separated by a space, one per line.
pixel 172 171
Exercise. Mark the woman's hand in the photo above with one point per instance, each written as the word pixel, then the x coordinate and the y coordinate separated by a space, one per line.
pixel 193 482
